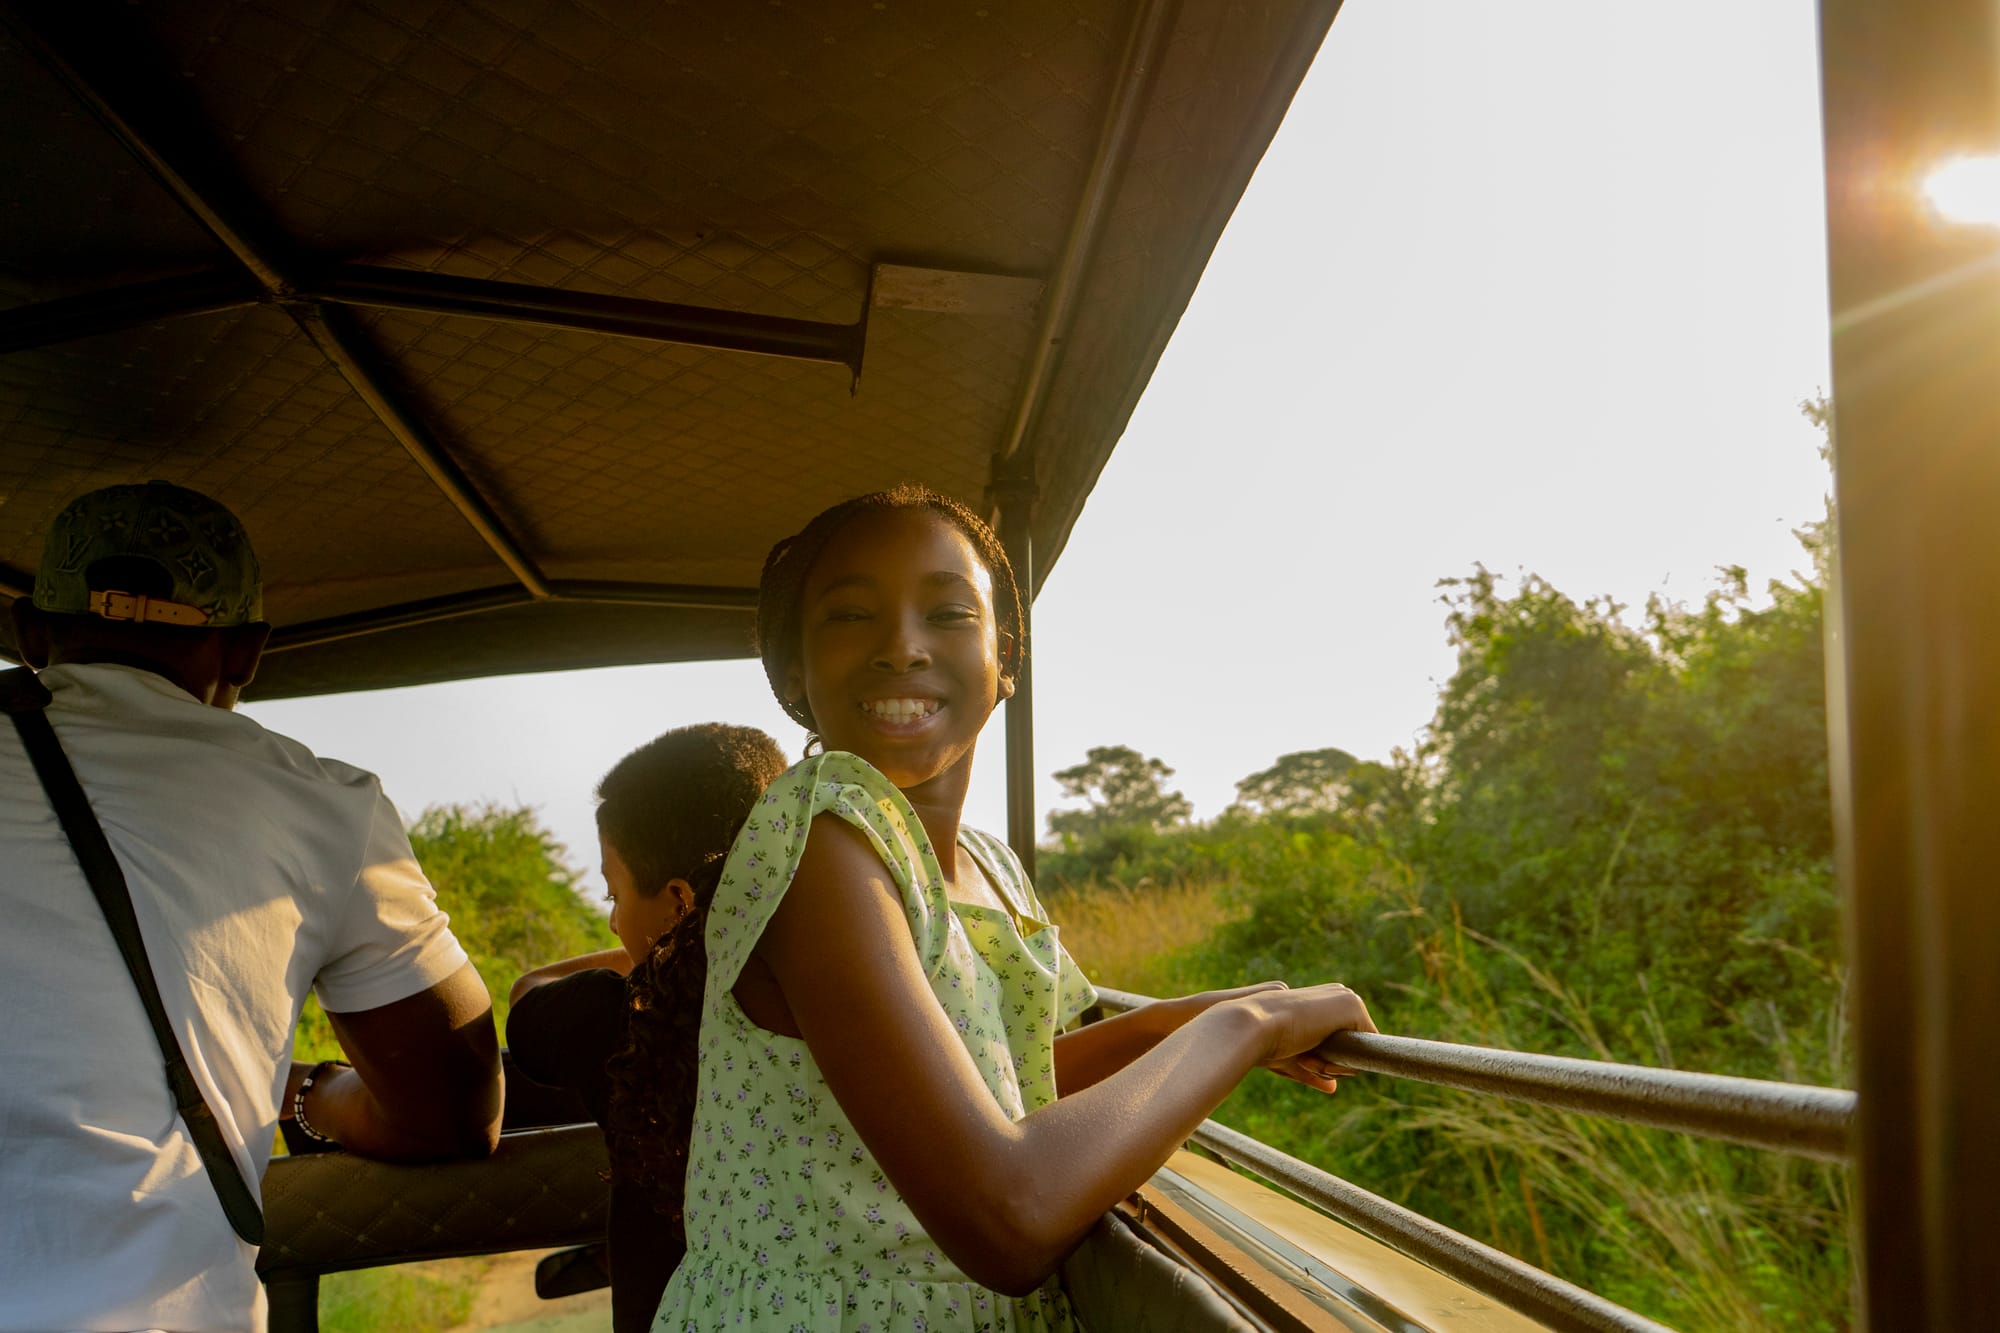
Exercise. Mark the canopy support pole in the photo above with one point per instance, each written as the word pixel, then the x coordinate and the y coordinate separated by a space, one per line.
pixel 1914 647
pixel 1017 533
pixel 590 312
pixel 1013 470
pixel 372 287
pixel 342 342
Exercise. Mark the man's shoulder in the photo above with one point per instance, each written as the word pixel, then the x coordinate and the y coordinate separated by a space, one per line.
pixel 153 711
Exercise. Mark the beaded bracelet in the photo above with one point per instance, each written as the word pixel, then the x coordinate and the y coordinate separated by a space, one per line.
pixel 299 1099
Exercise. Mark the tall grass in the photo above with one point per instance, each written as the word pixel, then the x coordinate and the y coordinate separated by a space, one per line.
pixel 1699 1234
pixel 1696 1234
pixel 1131 937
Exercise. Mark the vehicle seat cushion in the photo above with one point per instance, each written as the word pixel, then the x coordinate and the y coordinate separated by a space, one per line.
pixel 1118 1283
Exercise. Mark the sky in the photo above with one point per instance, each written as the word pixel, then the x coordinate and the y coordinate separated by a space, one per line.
pixel 1537 285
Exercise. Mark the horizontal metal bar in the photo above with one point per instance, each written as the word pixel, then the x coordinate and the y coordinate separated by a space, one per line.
pixel 1520 1286
pixel 1786 1117
pixel 691 596
pixel 430 610
pixel 92 313
pixel 623 316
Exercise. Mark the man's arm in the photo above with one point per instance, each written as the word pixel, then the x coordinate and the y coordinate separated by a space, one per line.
pixel 426 1076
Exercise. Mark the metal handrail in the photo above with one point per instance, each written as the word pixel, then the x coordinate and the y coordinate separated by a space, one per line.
pixel 1521 1286
pixel 1784 1117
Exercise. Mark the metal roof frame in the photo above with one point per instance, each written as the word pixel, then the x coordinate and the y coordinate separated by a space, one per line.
pixel 126 85
pixel 1176 124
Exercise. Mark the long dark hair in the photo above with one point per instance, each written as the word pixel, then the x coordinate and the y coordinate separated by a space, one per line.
pixel 671 808
pixel 790 563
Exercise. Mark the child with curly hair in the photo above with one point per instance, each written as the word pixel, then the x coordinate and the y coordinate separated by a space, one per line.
pixel 619 1027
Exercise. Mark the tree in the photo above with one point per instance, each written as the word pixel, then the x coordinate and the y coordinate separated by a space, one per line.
pixel 1306 782
pixel 1121 789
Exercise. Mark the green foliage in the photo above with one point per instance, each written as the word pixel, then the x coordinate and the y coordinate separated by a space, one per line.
pixel 1127 817
pixel 1120 788
pixel 1309 782
pixel 513 903
pixel 1615 842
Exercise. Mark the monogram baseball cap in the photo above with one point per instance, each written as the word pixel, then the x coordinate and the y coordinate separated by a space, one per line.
pixel 154 554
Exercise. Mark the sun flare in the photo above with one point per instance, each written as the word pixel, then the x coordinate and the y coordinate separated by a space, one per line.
pixel 1966 190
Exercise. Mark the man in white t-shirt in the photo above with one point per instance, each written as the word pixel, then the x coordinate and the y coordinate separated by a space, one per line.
pixel 258 872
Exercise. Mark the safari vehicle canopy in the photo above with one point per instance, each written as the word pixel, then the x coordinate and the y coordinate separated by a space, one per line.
pixel 516 330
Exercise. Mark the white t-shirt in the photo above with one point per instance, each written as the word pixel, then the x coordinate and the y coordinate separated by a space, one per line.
pixel 257 871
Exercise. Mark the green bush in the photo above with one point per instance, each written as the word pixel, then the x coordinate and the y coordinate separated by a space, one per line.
pixel 1614 841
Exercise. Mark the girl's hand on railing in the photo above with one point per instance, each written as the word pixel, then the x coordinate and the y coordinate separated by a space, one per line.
pixel 1166 1017
pixel 1297 1021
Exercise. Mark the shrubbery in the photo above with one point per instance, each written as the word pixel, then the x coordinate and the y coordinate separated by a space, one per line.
pixel 1614 841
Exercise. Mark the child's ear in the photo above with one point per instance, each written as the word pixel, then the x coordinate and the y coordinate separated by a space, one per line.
pixel 795 685
pixel 683 893
pixel 1006 685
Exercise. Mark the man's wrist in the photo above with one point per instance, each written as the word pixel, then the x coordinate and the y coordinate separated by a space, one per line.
pixel 315 1077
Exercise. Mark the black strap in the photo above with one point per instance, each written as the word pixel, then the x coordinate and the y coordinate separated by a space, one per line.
pixel 24 698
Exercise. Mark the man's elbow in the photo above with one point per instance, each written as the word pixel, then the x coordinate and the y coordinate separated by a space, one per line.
pixel 464 1119
pixel 476 1131
pixel 468 1125
pixel 474 1140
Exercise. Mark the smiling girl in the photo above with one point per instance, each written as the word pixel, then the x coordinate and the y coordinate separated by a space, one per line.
pixel 891 1133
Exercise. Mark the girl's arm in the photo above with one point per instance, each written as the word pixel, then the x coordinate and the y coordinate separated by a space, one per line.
pixel 1006 1200
pixel 1098 1050
pixel 617 960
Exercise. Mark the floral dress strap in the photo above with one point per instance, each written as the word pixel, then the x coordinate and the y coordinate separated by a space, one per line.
pixel 1074 993
pixel 766 855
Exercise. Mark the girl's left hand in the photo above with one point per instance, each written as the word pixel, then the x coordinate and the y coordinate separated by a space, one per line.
pixel 1312 1070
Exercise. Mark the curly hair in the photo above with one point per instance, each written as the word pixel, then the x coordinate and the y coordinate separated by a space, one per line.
pixel 781 591
pixel 671 809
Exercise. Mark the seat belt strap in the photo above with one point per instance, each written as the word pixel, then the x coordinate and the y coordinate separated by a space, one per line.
pixel 25 699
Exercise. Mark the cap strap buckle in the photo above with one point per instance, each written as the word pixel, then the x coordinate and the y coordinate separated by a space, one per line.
pixel 142 610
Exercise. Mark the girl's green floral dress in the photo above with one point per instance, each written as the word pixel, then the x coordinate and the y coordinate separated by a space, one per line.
pixel 790 1223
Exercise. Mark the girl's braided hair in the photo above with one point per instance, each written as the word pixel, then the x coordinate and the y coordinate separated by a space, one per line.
pixel 782 589
pixel 671 809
